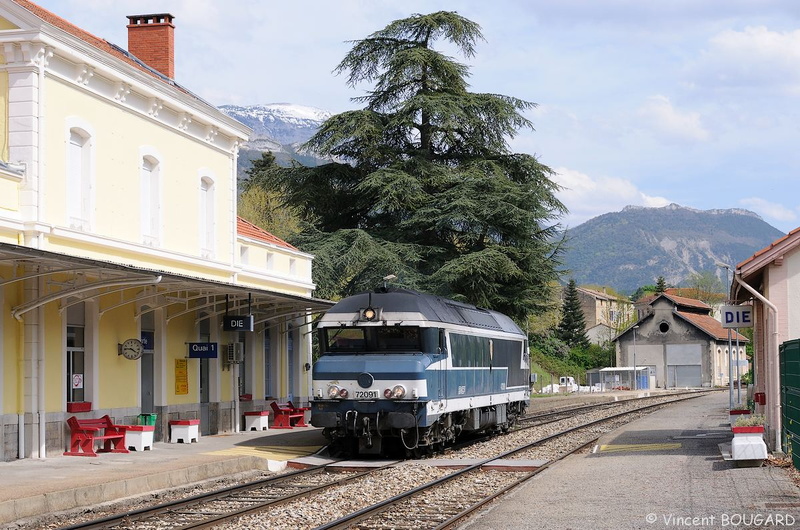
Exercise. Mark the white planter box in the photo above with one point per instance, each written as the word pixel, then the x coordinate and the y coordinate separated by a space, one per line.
pixel 748 444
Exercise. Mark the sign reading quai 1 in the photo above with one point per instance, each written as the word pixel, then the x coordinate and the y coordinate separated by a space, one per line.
pixel 737 316
pixel 202 350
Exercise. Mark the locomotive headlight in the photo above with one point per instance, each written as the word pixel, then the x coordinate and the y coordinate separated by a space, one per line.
pixel 333 391
pixel 343 393
pixel 396 392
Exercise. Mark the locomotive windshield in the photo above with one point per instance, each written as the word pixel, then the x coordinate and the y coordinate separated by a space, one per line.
pixel 372 339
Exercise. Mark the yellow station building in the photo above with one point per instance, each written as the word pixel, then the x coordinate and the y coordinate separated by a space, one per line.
pixel 128 284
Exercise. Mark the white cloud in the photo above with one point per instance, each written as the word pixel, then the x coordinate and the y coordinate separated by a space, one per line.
pixel 769 210
pixel 664 121
pixel 588 197
pixel 754 57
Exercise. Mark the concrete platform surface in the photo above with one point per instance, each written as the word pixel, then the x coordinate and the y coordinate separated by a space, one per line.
pixel 664 470
pixel 31 487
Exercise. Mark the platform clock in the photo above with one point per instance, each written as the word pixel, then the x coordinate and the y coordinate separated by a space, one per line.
pixel 131 349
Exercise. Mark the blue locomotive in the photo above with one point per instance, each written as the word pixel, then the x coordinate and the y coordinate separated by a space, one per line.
pixel 400 369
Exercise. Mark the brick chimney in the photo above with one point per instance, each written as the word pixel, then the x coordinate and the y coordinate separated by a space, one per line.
pixel 151 38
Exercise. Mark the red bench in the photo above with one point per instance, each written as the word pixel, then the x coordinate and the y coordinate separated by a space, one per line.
pixel 287 416
pixel 86 432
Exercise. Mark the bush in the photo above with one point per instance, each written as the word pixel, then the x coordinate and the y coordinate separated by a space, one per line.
pixel 753 421
pixel 550 345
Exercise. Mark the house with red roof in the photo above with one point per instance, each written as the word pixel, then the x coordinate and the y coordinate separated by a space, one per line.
pixel 129 285
pixel 769 280
pixel 681 344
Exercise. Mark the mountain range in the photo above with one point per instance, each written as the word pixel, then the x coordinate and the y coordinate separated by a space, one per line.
pixel 623 250
pixel 628 249
pixel 279 128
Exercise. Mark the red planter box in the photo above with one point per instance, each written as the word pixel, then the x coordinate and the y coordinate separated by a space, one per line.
pixel 79 406
pixel 749 430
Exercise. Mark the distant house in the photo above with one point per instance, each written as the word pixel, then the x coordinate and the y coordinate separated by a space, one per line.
pixel 680 342
pixel 603 313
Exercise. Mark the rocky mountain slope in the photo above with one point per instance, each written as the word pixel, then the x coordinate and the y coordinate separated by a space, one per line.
pixel 631 248
pixel 277 127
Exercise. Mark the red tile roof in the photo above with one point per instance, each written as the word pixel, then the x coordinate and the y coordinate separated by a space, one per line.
pixel 687 302
pixel 248 229
pixel 677 300
pixel 711 326
pixel 794 234
pixel 598 294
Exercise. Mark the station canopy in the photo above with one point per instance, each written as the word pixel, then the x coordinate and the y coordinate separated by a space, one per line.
pixel 71 280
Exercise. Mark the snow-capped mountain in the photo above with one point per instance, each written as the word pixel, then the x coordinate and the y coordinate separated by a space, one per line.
pixel 281 123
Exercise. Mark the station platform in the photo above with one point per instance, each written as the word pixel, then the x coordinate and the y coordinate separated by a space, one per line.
pixel 664 470
pixel 30 487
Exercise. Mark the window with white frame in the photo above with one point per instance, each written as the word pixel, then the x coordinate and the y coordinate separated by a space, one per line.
pixel 207 220
pixel 292 266
pixel 150 175
pixel 79 179
pixel 244 255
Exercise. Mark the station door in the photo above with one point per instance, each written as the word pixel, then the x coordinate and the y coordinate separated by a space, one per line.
pixel 790 398
pixel 683 375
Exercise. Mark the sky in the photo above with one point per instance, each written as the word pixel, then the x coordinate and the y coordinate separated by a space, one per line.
pixel 638 102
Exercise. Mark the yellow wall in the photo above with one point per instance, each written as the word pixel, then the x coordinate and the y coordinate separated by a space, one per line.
pixel 9 193
pixel 180 331
pixel 119 134
pixel 119 384
pixel 11 348
pixel 3 114
pixel 6 24
pixel 55 379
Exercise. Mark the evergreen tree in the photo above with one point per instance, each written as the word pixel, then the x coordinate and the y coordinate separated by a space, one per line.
pixel 425 186
pixel 572 328
pixel 661 285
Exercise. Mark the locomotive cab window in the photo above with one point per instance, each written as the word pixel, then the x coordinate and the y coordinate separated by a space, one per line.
pixel 369 339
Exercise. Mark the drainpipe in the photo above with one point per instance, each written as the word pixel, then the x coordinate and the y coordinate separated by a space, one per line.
pixel 235 376
pixel 42 419
pixel 21 391
pixel 775 375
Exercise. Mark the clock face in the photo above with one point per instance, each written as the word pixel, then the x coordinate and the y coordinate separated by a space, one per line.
pixel 131 349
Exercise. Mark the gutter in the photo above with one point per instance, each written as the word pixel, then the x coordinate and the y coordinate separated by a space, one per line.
pixel 772 347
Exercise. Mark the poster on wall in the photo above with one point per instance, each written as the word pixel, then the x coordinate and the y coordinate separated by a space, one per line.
pixel 181 376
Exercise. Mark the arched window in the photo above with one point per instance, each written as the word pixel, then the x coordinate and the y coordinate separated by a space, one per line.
pixel 79 179
pixel 150 177
pixel 207 221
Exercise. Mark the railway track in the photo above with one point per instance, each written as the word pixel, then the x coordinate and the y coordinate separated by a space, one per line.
pixel 446 502
pixel 407 488
pixel 209 509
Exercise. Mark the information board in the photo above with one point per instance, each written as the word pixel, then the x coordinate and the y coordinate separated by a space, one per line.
pixel 181 376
